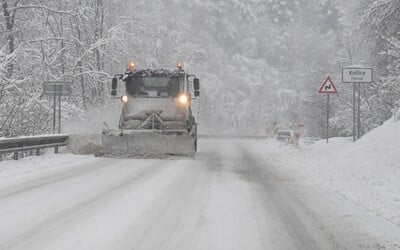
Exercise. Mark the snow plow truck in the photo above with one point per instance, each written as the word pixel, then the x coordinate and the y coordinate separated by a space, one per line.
pixel 156 118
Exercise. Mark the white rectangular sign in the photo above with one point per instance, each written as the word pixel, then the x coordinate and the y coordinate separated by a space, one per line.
pixel 57 88
pixel 357 75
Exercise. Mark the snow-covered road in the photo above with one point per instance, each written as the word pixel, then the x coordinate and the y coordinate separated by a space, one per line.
pixel 228 197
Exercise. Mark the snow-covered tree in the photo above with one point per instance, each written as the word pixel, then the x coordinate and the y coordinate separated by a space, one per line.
pixel 381 31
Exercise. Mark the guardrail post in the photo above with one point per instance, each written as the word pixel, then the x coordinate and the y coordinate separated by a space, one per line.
pixel 38 152
pixel 56 150
pixel 16 155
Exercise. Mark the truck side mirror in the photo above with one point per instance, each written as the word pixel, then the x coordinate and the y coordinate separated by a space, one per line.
pixel 114 86
pixel 196 86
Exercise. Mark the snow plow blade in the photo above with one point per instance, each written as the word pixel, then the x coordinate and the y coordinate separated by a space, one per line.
pixel 147 143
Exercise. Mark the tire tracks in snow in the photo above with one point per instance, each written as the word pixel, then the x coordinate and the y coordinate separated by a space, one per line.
pixel 35 184
pixel 179 211
pixel 274 193
pixel 145 173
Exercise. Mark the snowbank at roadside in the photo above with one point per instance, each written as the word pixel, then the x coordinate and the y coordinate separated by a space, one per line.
pixel 367 172
pixel 37 164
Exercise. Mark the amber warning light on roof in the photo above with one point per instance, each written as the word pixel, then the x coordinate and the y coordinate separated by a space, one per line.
pixel 180 65
pixel 132 65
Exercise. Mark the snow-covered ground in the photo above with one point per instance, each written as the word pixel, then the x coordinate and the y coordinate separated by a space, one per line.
pixel 235 194
pixel 367 172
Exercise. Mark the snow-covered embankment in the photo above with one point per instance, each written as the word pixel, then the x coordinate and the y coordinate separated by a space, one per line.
pixel 367 173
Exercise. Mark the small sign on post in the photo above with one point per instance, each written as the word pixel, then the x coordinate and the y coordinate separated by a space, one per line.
pixel 356 76
pixel 57 88
pixel 327 87
pixel 54 89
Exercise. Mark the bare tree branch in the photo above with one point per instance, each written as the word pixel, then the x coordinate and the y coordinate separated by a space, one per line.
pixel 15 8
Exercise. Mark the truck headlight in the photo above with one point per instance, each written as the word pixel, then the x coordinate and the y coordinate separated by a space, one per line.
pixel 183 99
pixel 124 99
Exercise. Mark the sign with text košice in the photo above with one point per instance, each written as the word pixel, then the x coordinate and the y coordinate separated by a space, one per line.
pixel 357 75
pixel 57 88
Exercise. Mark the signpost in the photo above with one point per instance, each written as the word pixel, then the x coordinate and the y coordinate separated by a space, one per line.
pixel 54 89
pixel 57 88
pixel 327 87
pixel 357 76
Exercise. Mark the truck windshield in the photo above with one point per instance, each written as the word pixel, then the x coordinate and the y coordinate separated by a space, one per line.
pixel 153 86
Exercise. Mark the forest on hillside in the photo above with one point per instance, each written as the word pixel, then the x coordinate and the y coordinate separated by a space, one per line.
pixel 260 62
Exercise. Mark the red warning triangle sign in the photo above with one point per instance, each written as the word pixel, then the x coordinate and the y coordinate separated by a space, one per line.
pixel 328 87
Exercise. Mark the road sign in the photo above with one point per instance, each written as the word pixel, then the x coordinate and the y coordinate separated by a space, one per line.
pixel 357 75
pixel 54 89
pixel 57 88
pixel 328 87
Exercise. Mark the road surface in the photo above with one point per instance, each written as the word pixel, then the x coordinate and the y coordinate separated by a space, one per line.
pixel 228 197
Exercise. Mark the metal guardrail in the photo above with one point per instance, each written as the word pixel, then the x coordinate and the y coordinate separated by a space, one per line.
pixel 22 144
pixel 233 137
